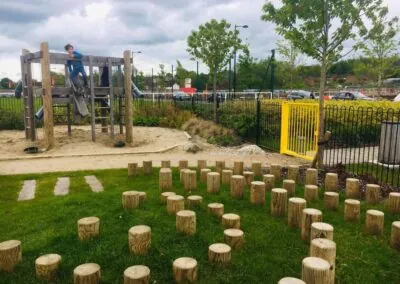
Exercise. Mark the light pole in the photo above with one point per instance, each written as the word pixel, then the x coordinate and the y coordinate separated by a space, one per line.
pixel 234 60
pixel 133 70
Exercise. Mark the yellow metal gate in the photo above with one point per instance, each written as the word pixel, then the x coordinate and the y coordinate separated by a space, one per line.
pixel 299 132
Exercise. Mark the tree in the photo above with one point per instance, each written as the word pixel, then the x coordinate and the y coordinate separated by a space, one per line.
pixel 161 80
pixel 214 43
pixel 6 83
pixel 319 28
pixel 291 58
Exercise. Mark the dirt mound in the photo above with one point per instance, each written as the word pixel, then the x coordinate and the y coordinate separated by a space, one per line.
pixel 251 150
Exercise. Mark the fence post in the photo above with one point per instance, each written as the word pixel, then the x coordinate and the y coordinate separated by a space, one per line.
pixel 284 127
pixel 258 118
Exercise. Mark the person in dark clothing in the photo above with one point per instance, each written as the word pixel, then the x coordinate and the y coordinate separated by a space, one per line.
pixel 75 65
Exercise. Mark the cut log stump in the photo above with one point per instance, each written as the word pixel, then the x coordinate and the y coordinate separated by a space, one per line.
pixel 183 164
pixel 309 216
pixel 295 211
pixel 269 181
pixel 10 255
pixel 331 182
pixel 231 221
pixel 226 176
pixel 46 266
pixel 130 199
pixel 190 180
pixel 142 196
pixel 201 164
pixel 203 174
pixel 321 230
pixel 374 221
pixel 257 192
pixel 331 200
pixel 194 200
pixel 395 235
pixel 311 176
pixel 164 196
pixel 276 170
pixel 315 270
pixel 175 203
pixel 88 273
pixel 293 172
pixel 394 202
pixel 325 249
pixel 137 274
pixel 372 193
pixel 165 179
pixel 237 186
pixel 213 182
pixel 291 280
pixel 278 202
pixel 219 253
pixel 132 169
pixel 219 166
pixel 88 227
pixel 352 188
pixel 147 167
pixel 186 222
pixel 238 167
pixel 216 209
pixel 165 164
pixel 290 186
pixel 248 177
pixel 139 239
pixel 185 270
pixel 234 238
pixel 256 168
pixel 310 192
pixel 351 210
pixel 182 175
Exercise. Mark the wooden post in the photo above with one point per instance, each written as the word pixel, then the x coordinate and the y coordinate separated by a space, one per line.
pixel 237 186
pixel 238 167
pixel 234 238
pixel 226 176
pixel 111 93
pixel 139 239
pixel 132 169
pixel 293 172
pixel 219 166
pixel 92 103
pixel 46 266
pixel 190 180
pixel 201 164
pixel 291 280
pixel 309 216
pixel 248 177
pixel 48 122
pixel 219 253
pixel 165 179
pixel 395 235
pixel 231 221
pixel 269 181
pixel 276 171
pixel 374 221
pixel 183 164
pixel 175 203
pixel 295 211
pixel 164 196
pixel 87 273
pixel 394 202
pixel 185 270
pixel 325 249
pixel 310 192
pixel 137 274
pixel 216 209
pixel 182 173
pixel 130 199
pixel 257 192
pixel 186 222
pixel 213 182
pixel 331 182
pixel 194 200
pixel 165 164
pixel 352 188
pixel 256 168
pixel 147 167
pixel 351 210
pixel 290 186
pixel 128 96
pixel 278 202
pixel 331 200
pixel 10 255
pixel 312 176
pixel 203 174
pixel 88 227
pixel 315 270
pixel 372 193
pixel 142 196
pixel 321 230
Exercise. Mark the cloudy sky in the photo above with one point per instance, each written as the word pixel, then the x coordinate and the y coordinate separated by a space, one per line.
pixel 158 28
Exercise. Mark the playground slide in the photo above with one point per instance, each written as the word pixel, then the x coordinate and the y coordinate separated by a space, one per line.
pixel 136 93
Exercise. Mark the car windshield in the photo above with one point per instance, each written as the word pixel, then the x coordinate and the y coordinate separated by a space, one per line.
pixel 359 95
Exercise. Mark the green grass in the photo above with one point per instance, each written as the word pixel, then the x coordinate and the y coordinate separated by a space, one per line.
pixel 47 224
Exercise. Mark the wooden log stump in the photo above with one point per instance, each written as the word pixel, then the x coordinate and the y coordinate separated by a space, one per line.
pixel 321 230
pixel 226 176
pixel 311 192
pixel 165 164
pixel 256 168
pixel 351 210
pixel 137 274
pixel 295 211
pixel 46 266
pixel 331 182
pixel 201 164
pixel 213 182
pixel 164 196
pixel 269 181
pixel 374 221
pixel 185 270
pixel 395 235
pixel 394 202
pixel 291 280
pixel 183 164
pixel 147 167
pixel 275 170
pixel 194 200
pixel 175 203
pixel 165 179
pixel 257 192
pixel 372 193
pixel 325 249
pixel 248 177
pixel 139 239
pixel 190 180
pixel 352 188
pixel 219 253
pixel 237 186
pixel 142 196
pixel 132 169
pixel 315 270
pixel 331 200
pixel 234 238
pixel 238 167
pixel 216 209
pixel 88 227
pixel 10 255
pixel 203 174
pixel 182 175
pixel 278 202
pixel 219 166
pixel 311 176
pixel 231 221
pixel 88 273
pixel 130 199
pixel 293 173
pixel 186 222
pixel 290 186
pixel 309 216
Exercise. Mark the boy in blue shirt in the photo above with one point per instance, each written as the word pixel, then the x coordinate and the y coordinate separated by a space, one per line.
pixel 75 64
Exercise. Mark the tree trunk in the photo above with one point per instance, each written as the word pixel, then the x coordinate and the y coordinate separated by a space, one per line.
pixel 321 128
pixel 215 95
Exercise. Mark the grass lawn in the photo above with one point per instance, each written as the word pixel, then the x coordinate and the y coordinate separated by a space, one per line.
pixel 47 224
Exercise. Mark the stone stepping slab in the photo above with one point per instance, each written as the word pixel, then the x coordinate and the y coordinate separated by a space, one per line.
pixel 94 183
pixel 62 186
pixel 28 190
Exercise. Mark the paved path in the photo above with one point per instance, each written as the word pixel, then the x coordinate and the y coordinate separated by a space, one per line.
pixel 94 183
pixel 28 190
pixel 62 186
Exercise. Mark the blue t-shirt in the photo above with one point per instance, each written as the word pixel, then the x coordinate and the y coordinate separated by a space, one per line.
pixel 75 63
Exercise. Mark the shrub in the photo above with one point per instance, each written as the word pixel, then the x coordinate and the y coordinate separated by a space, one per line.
pixel 10 120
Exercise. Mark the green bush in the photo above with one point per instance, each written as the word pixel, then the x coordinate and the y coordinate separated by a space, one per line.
pixel 10 120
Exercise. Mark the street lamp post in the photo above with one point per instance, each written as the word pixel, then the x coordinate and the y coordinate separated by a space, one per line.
pixel 234 60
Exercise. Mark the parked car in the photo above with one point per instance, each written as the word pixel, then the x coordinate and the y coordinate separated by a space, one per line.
pixel 181 96
pixel 300 94
pixel 397 98
pixel 220 97
pixel 351 95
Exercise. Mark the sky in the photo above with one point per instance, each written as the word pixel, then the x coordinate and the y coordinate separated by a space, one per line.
pixel 158 28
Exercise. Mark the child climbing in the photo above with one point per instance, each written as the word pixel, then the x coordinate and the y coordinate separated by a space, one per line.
pixel 75 65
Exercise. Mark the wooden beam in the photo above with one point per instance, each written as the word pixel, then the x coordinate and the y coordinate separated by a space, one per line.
pixel 47 97
pixel 99 91
pixel 128 97
pixel 66 76
pixel 92 99
pixel 110 81
pixel 24 87
pixel 61 58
